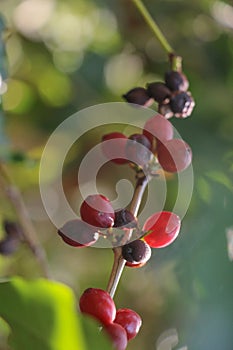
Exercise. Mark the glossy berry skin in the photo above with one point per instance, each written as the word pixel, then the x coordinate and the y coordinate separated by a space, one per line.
pixel 159 92
pixel 138 149
pixel 158 128
pixel 138 95
pixel 124 219
pixel 174 155
pixel 130 321
pixel 115 151
pixel 136 253
pixel 78 233
pixel 164 227
pixel 98 304
pixel 117 335
pixel 176 81
pixel 97 210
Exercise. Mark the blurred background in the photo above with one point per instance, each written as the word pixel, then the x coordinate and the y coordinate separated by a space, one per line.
pixel 66 55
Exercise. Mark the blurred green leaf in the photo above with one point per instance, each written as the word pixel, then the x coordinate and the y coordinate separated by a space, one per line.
pixel 42 315
pixel 204 189
pixel 221 178
pixel 93 335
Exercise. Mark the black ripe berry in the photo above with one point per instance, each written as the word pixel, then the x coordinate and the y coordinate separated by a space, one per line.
pixel 159 92
pixel 176 81
pixel 182 104
pixel 136 252
pixel 138 96
pixel 125 219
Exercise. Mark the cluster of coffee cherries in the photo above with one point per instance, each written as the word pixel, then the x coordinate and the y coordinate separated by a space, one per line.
pixel 159 230
pixel 156 144
pixel 98 219
pixel 97 215
pixel 119 325
pixel 172 95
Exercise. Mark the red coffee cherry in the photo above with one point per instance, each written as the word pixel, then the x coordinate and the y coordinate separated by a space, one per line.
pixel 138 149
pixel 117 334
pixel 174 155
pixel 77 233
pixel 136 253
pixel 98 304
pixel 158 128
pixel 176 81
pixel 115 152
pixel 130 321
pixel 138 95
pixel 97 210
pixel 159 91
pixel 164 227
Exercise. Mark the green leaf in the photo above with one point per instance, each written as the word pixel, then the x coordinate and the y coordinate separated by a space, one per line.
pixel 221 178
pixel 95 338
pixel 204 189
pixel 41 314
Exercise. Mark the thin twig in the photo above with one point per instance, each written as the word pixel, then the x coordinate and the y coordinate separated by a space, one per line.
pixel 154 27
pixel 119 262
pixel 14 196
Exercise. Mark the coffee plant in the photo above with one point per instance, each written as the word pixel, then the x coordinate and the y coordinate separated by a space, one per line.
pixel 41 313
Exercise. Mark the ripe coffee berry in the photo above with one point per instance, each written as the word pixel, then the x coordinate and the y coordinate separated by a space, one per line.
pixel 138 149
pixel 158 128
pixel 115 150
pixel 98 304
pixel 97 210
pixel 159 91
pixel 78 233
pixel 125 219
pixel 174 155
pixel 117 334
pixel 136 253
pixel 130 321
pixel 164 227
pixel 176 81
pixel 182 104
pixel 138 96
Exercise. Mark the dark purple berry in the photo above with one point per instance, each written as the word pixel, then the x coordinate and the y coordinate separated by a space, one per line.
pixel 138 149
pixel 176 81
pixel 12 228
pixel 136 252
pixel 138 96
pixel 125 219
pixel 9 245
pixel 182 104
pixel 159 92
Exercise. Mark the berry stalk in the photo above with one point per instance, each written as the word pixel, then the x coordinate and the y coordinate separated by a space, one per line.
pixel 154 27
pixel 119 262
